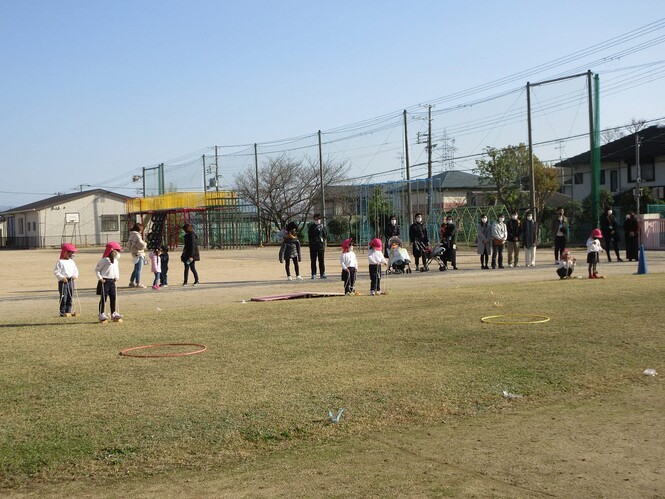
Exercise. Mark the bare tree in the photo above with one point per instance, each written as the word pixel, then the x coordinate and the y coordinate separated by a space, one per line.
pixel 610 135
pixel 635 125
pixel 288 188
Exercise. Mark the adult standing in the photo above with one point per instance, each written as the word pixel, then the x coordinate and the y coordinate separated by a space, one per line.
pixel 529 240
pixel 631 229
pixel 484 241
pixel 419 239
pixel 136 246
pixel 190 254
pixel 391 230
pixel 514 227
pixel 318 238
pixel 559 233
pixel 499 236
pixel 449 241
pixel 610 230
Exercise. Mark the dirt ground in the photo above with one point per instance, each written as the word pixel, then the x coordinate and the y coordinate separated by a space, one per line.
pixel 611 446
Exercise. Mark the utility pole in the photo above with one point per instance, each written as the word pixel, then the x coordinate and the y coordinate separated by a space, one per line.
pixel 638 180
pixel 408 171
pixel 203 160
pixel 323 190
pixel 429 162
pixel 532 175
pixel 216 172
pixel 258 209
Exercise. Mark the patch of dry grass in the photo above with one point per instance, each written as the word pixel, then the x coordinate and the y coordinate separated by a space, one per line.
pixel 72 407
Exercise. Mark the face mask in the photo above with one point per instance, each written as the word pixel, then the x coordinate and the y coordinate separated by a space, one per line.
pixel 393 222
pixel 501 219
pixel 529 217
pixel 514 217
pixel 116 255
pixel 609 212
pixel 71 257
pixel 419 219
pixel 318 222
pixel 627 217
pixel 483 220
pixel 450 222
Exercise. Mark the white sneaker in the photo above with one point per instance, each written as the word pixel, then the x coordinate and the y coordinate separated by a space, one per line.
pixel 140 285
pixel 103 317
pixel 299 278
pixel 510 265
pixel 116 315
pixel 288 278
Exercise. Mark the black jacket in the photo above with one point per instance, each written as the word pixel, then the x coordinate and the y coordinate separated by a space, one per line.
pixel 391 231
pixel 529 234
pixel 317 235
pixel 418 233
pixel 191 249
pixel 609 227
pixel 164 257
pixel 514 228
pixel 449 234
pixel 290 248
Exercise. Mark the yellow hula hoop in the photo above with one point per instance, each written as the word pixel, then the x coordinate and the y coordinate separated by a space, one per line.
pixel 537 319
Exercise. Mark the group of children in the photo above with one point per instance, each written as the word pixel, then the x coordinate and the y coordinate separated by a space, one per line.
pixel 567 263
pixel 290 252
pixel 108 273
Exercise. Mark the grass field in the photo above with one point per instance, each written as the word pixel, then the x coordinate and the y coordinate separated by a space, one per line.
pixel 76 416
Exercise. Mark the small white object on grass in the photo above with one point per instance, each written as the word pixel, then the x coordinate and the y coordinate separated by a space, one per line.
pixel 509 395
pixel 243 301
pixel 649 372
pixel 335 419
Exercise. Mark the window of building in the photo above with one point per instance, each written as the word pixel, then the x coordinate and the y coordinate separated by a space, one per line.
pixel 648 172
pixel 602 177
pixel 110 223
pixel 579 178
pixel 21 228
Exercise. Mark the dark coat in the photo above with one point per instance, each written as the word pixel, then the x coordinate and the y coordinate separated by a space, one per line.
pixel 290 248
pixel 514 230
pixel 449 234
pixel 529 233
pixel 609 227
pixel 164 257
pixel 418 233
pixel 391 230
pixel 191 249
pixel 317 235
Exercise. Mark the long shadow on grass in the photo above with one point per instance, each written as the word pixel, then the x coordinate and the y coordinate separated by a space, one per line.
pixel 36 324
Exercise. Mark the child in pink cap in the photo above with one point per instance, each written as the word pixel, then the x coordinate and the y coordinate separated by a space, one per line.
pixel 376 259
pixel 349 263
pixel 66 272
pixel 594 249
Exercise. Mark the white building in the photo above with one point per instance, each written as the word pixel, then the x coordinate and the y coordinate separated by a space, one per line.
pixel 84 218
pixel 618 168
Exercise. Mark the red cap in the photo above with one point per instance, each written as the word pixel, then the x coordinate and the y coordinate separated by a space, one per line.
pixel 67 247
pixel 346 244
pixel 376 243
pixel 110 246
pixel 596 234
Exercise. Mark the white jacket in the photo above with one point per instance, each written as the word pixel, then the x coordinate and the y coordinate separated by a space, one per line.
pixel 593 245
pixel 66 269
pixel 375 257
pixel 348 259
pixel 106 269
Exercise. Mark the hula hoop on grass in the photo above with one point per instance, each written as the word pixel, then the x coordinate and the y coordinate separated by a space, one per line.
pixel 202 348
pixel 534 319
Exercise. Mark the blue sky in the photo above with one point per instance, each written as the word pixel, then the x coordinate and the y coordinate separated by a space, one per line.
pixel 93 91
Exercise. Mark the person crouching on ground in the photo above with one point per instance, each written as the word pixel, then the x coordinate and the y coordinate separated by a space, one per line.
pixel 594 248
pixel 290 251
pixel 376 259
pixel 66 272
pixel 108 272
pixel 349 263
pixel 566 265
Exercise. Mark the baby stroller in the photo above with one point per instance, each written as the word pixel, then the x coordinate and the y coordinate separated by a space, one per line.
pixel 436 254
pixel 398 258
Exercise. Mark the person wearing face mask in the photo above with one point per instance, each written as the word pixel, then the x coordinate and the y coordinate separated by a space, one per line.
pixel 108 272
pixel 318 237
pixel 632 231
pixel 391 230
pixel 610 230
pixel 66 272
pixel 419 239
pixel 559 233
pixel 529 240
pixel 514 227
pixel 448 239
pixel 484 241
pixel 499 236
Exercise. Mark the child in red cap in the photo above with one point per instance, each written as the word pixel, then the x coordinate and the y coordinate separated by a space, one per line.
pixel 66 271
pixel 594 248
pixel 376 259
pixel 349 263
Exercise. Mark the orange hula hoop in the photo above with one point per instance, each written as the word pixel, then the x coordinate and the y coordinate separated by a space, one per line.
pixel 202 348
